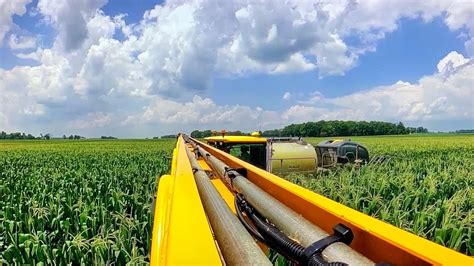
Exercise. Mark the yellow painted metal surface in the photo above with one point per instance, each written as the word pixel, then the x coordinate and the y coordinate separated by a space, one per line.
pixel 225 193
pixel 181 233
pixel 256 134
pixel 204 165
pixel 238 139
pixel 375 239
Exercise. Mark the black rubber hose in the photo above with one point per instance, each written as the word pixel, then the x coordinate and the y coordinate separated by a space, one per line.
pixel 249 228
pixel 278 241
pixel 271 235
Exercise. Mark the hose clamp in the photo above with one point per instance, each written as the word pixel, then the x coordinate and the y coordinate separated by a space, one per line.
pixel 232 173
pixel 342 234
pixel 195 170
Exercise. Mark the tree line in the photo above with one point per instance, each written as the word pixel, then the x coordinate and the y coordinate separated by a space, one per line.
pixel 173 136
pixel 208 133
pixel 15 135
pixel 72 137
pixel 329 129
pixel 21 135
pixel 343 128
pixel 464 131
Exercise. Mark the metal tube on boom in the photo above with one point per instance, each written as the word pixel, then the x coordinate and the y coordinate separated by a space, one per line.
pixel 287 220
pixel 235 243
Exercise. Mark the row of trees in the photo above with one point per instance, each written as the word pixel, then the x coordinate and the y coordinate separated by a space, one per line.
pixel 417 130
pixel 20 135
pixel 107 137
pixel 166 137
pixel 343 128
pixel 464 131
pixel 208 133
pixel 15 135
pixel 329 129
pixel 73 137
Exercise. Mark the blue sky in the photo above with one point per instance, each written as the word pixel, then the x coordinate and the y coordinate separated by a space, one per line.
pixel 146 68
pixel 388 64
pixel 134 9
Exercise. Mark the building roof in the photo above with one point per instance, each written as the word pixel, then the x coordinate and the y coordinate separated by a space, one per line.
pixel 236 139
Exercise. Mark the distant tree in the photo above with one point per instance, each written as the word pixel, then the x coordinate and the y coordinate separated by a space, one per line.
pixel 401 128
pixel 233 133
pixel 196 134
pixel 292 130
pixel 421 130
pixel 201 134
pixel 411 130
pixel 328 130
pixel 107 137
pixel 168 137
pixel 465 131
pixel 271 133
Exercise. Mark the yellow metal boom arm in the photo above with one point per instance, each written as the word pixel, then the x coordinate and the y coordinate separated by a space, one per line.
pixel 183 235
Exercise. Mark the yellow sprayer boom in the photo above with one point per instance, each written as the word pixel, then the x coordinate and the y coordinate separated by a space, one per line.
pixel 216 209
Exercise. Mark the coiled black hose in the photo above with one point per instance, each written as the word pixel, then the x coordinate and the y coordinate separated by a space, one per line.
pixel 249 228
pixel 278 241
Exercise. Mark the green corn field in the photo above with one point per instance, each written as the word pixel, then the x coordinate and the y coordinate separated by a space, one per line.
pixel 427 188
pixel 90 202
pixel 86 202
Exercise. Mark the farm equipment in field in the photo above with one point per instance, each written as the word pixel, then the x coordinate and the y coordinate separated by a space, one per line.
pixel 338 152
pixel 341 152
pixel 284 155
pixel 215 208
pixel 275 155
pixel 380 159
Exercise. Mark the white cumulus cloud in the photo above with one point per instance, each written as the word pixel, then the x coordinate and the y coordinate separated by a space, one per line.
pixel 8 8
pixel 153 74
pixel 92 120
pixel 70 19
pixel 443 96
pixel 451 62
pixel 204 113
pixel 21 42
